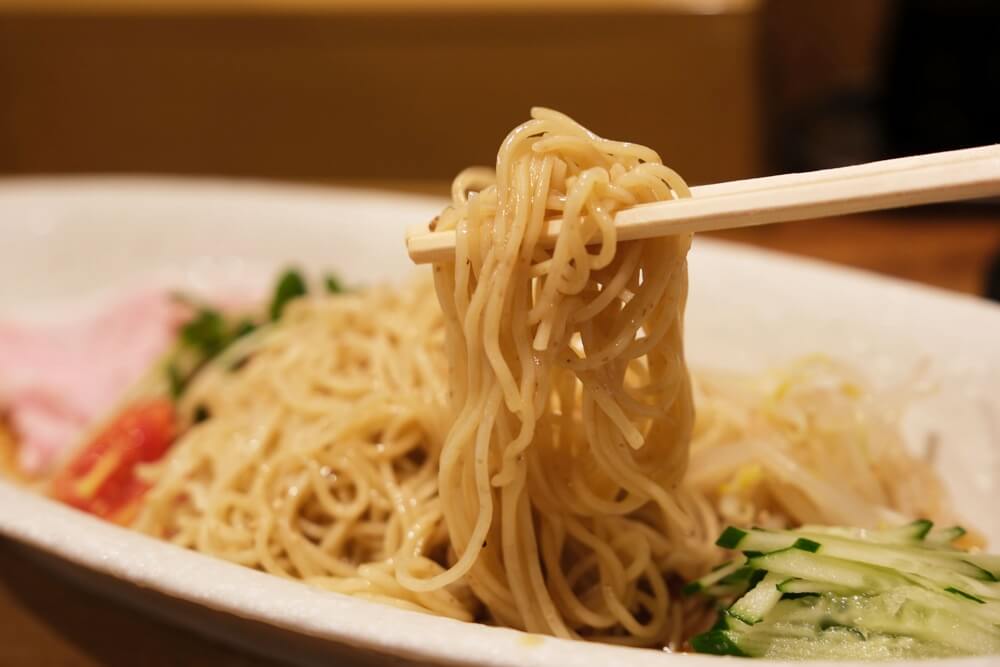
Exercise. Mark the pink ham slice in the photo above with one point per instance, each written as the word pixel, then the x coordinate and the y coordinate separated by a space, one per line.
pixel 58 380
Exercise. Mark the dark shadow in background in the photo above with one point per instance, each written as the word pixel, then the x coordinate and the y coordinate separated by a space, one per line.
pixel 943 76
pixel 943 85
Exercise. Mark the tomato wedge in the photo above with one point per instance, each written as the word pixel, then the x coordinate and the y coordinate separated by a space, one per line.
pixel 101 477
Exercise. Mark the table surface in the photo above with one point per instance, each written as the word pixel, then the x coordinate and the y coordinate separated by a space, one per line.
pixel 45 622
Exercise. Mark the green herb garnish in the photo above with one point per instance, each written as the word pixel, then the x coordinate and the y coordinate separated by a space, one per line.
pixel 243 328
pixel 291 286
pixel 332 283
pixel 207 332
pixel 176 380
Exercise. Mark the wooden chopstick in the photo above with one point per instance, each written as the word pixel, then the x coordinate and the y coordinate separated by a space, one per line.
pixel 938 177
pixel 867 169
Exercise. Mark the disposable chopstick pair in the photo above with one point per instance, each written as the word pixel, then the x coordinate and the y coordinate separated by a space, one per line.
pixel 970 173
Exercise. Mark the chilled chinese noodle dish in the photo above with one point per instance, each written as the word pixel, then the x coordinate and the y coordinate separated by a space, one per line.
pixel 513 437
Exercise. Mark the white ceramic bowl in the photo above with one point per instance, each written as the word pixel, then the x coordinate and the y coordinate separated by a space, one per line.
pixel 68 241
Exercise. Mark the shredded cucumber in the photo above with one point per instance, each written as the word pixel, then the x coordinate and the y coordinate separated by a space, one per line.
pixel 722 574
pixel 849 593
pixel 910 533
pixel 752 607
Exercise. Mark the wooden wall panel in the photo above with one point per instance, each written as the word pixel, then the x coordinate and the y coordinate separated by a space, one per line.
pixel 352 95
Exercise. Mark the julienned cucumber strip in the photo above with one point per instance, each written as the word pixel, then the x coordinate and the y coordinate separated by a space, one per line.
pixel 841 593
pixel 984 567
pixel 944 536
pixel 872 569
pixel 934 564
pixel 715 576
pixel 762 541
pixel 832 644
pixel 752 607
pixel 796 586
pixel 718 642
pixel 856 577
pixel 910 533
